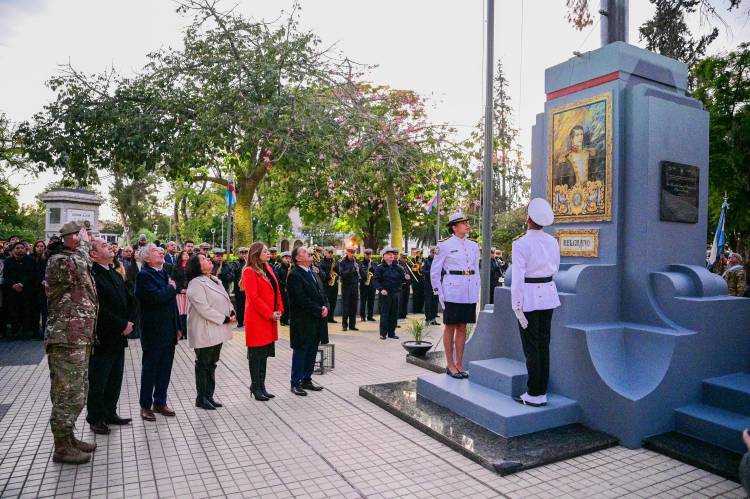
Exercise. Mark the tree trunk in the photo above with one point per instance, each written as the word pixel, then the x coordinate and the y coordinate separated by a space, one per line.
pixel 176 221
pixel 394 217
pixel 243 214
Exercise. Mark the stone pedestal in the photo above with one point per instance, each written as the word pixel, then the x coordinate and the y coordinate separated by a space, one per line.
pixel 65 205
pixel 645 333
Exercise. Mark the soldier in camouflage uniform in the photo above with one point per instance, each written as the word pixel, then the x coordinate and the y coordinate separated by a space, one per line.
pixel 735 276
pixel 71 294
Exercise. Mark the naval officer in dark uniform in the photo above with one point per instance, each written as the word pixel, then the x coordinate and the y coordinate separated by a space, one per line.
pixel 536 259
pixel 388 279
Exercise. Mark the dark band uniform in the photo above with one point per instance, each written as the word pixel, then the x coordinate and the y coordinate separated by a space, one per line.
pixel 366 292
pixel 388 278
pixel 349 272
pixel 326 266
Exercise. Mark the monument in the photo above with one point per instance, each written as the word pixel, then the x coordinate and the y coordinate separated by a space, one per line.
pixel 64 205
pixel 646 340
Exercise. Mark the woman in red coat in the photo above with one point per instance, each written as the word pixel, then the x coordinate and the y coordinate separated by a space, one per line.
pixel 263 308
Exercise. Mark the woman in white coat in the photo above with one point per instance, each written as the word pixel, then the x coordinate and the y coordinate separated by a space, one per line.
pixel 209 323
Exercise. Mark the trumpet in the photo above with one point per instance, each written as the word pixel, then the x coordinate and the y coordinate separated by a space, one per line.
pixel 369 279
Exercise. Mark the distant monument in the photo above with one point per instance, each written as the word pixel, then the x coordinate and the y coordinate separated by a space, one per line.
pixel 63 205
pixel 646 341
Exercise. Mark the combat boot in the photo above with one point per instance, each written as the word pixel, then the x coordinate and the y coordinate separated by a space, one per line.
pixel 82 446
pixel 66 452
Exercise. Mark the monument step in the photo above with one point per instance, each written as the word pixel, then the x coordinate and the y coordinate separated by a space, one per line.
pixel 507 376
pixel 713 424
pixel 493 410
pixel 730 392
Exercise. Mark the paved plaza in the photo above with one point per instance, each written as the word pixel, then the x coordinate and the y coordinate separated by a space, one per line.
pixel 329 444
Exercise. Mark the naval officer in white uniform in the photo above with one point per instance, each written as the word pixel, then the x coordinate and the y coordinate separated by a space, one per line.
pixel 455 280
pixel 536 259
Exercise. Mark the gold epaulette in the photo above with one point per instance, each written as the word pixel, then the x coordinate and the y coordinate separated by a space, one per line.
pixel 444 239
pixel 519 236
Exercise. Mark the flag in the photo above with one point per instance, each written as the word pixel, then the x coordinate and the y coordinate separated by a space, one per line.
pixel 432 202
pixel 231 195
pixel 717 248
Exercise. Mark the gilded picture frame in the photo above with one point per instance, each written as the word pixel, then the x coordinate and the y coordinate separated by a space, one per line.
pixel 579 160
pixel 592 234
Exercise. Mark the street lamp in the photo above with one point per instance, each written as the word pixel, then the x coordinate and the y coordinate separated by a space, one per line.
pixel 156 230
pixel 213 238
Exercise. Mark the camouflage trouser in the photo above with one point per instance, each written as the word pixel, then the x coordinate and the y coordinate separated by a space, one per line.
pixel 68 373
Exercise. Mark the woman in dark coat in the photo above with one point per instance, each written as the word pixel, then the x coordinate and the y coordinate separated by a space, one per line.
pixel 38 294
pixel 179 275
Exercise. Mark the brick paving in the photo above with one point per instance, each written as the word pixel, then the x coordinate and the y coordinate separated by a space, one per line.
pixel 328 444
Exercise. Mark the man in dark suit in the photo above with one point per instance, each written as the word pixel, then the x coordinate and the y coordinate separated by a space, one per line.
pixel 308 326
pixel 160 331
pixel 18 283
pixel 114 322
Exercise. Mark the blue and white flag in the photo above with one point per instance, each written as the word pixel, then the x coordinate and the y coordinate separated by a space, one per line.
pixel 231 195
pixel 717 248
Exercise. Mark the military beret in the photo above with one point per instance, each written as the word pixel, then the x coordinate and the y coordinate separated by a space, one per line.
pixel 242 249
pixel 218 251
pixel 71 228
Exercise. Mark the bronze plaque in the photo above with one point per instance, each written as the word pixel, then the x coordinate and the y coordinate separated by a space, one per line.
pixel 679 193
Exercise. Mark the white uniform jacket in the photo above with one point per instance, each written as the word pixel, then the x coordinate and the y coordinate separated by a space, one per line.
pixel 458 255
pixel 535 254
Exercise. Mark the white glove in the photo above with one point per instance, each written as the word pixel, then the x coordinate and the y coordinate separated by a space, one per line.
pixel 442 302
pixel 521 318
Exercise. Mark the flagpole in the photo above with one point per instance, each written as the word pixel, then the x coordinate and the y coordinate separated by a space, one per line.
pixel 437 206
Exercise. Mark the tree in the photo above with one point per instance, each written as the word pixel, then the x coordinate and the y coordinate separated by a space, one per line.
pixel 723 85
pixel 134 201
pixel 668 34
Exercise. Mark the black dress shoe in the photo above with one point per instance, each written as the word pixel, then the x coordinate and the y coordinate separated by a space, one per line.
pixel 117 420
pixel 309 385
pixel 100 428
pixel 203 403
pixel 371 319
pixel 382 337
pixel 333 321
pixel 394 337
pixel 344 328
pixel 297 390
pixel 354 328
pixel 214 402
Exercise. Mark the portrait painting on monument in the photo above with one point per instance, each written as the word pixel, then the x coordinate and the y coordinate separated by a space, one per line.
pixel 579 156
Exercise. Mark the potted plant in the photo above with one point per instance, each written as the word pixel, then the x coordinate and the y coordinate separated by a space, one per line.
pixel 418 346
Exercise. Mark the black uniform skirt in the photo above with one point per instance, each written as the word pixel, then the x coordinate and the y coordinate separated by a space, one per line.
pixel 459 313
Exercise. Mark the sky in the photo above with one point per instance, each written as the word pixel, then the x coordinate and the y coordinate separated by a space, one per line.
pixel 435 47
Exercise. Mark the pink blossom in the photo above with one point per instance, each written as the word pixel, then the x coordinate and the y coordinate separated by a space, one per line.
pixel 322 156
pixel 317 194
pixel 380 206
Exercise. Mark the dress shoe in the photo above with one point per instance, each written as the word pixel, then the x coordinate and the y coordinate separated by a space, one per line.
pixel 204 403
pixel 434 323
pixel 117 420
pixel 354 328
pixel 382 337
pixel 309 385
pixel 215 402
pixel 99 428
pixel 362 319
pixel 333 321
pixel 259 395
pixel 371 319
pixel 148 415
pixel 344 328
pixel 297 390
pixel 164 410
pixel 394 337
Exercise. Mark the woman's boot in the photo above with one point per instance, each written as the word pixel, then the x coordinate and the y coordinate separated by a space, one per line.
pixel 255 381
pixel 201 385
pixel 263 378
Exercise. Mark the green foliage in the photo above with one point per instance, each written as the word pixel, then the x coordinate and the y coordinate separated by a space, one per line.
pixel 507 227
pixel 24 221
pixel 723 85
pixel 416 329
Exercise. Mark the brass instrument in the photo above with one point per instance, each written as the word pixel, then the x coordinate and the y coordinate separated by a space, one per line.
pixel 332 277
pixel 316 259
pixel 369 274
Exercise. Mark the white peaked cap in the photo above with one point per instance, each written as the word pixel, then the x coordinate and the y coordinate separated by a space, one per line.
pixel 541 212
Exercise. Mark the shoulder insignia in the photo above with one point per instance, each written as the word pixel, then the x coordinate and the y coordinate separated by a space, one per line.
pixel 519 236
pixel 444 239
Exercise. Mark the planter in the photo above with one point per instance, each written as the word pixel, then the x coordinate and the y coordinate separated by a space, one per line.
pixel 417 349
